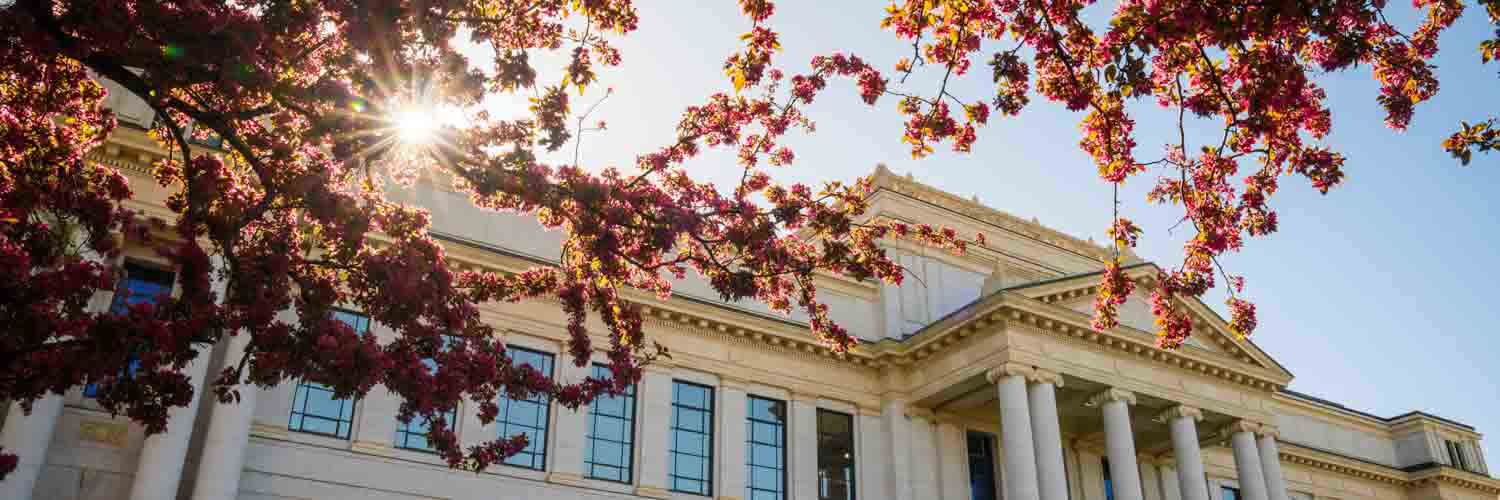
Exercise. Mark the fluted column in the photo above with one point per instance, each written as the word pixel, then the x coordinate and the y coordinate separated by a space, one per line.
pixel 28 437
pixel 898 435
pixel 1247 460
pixel 1046 435
pixel 734 406
pixel 804 447
pixel 1120 442
pixel 159 469
pixel 924 454
pixel 656 430
pixel 1183 420
pixel 1270 463
pixel 952 459
pixel 1015 430
pixel 227 436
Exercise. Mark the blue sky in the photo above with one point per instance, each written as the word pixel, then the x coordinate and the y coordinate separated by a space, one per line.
pixel 1372 295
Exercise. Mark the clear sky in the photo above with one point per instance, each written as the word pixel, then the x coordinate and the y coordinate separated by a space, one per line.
pixel 1371 295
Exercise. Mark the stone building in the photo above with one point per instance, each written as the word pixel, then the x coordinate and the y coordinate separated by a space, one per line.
pixel 980 380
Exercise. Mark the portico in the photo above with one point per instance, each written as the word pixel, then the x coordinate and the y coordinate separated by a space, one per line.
pixel 1029 367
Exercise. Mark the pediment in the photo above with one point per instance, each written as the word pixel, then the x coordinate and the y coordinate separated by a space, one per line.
pixel 1211 333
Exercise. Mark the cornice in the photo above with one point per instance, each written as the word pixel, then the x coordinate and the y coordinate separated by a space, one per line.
pixel 1318 459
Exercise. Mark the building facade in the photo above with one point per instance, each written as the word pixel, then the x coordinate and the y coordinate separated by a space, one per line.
pixel 980 380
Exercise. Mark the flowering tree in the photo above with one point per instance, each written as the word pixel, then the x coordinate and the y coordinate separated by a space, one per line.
pixel 295 216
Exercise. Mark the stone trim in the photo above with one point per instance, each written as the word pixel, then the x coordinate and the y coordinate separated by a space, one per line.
pixel 1317 459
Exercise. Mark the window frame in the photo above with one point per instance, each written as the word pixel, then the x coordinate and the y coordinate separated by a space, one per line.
pixel 1225 489
pixel 780 427
pixel 989 455
pixel 590 438
pixel 503 423
pixel 852 484
pixel 709 437
pixel 133 363
pixel 304 389
pixel 405 431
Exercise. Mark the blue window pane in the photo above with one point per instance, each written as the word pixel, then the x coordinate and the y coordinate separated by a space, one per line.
pixel 766 434
pixel 692 438
pixel 315 410
pixel 359 322
pixel 529 416
pixel 981 466
pixel 1230 493
pixel 142 285
pixel 413 435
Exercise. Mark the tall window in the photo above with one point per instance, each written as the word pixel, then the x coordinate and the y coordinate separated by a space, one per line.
pixel 1227 493
pixel 766 464
pixel 835 455
pixel 692 438
pixel 982 466
pixel 413 435
pixel 315 410
pixel 142 285
pixel 1109 483
pixel 611 437
pixel 527 416
pixel 1456 455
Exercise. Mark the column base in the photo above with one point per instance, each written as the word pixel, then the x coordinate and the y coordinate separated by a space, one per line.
pixel 652 492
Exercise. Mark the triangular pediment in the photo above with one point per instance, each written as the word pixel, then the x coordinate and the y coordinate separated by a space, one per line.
pixel 1211 333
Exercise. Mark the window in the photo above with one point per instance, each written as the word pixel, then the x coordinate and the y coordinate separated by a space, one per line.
pixel 142 285
pixel 1228 493
pixel 765 474
pixel 315 410
pixel 1456 455
pixel 835 455
pixel 692 438
pixel 611 437
pixel 982 466
pixel 413 435
pixel 1109 483
pixel 527 416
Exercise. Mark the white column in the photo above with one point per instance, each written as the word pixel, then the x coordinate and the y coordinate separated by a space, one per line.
pixel 1046 435
pixel 898 434
pixel 803 441
pixel 1015 431
pixel 734 408
pixel 1270 464
pixel 1150 479
pixel 227 436
pixel 1247 461
pixel 655 424
pixel 1171 486
pixel 1478 455
pixel 1119 442
pixel 952 459
pixel 873 460
pixel 28 437
pixel 1183 421
pixel 572 430
pixel 924 454
pixel 159 469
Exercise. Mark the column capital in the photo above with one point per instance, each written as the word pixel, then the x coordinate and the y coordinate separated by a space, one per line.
pixel 804 398
pixel 1270 431
pixel 1007 370
pixel 1243 426
pixel 1111 394
pixel 1045 376
pixel 1180 411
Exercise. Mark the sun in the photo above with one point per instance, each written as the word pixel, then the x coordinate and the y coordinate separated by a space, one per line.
pixel 415 126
